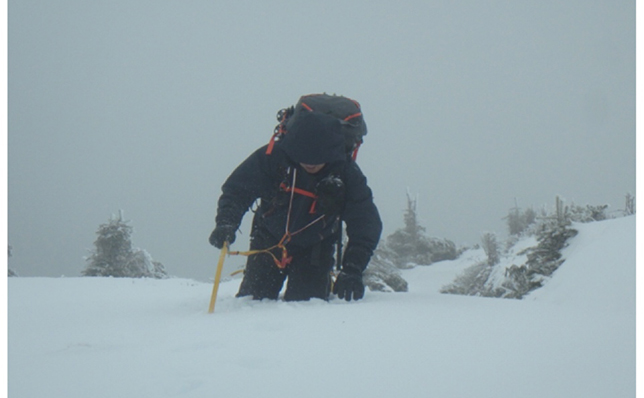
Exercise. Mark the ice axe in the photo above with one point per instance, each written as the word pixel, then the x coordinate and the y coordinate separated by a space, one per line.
pixel 215 287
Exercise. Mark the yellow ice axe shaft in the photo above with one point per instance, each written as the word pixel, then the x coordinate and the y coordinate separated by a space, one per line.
pixel 215 287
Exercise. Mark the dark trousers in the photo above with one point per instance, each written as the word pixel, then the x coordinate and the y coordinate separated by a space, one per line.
pixel 308 273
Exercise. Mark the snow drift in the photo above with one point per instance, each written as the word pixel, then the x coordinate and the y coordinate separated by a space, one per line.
pixel 107 337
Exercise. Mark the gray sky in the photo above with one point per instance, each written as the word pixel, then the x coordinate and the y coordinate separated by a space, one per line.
pixel 147 106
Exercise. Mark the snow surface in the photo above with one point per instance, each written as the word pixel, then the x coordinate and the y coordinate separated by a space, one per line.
pixel 107 337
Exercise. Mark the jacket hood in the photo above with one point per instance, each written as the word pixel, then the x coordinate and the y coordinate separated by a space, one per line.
pixel 314 138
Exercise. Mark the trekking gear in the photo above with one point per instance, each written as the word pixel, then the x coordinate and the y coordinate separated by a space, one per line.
pixel 346 110
pixel 215 287
pixel 314 138
pixel 348 284
pixel 288 234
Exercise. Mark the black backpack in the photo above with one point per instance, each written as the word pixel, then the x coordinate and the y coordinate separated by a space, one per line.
pixel 345 109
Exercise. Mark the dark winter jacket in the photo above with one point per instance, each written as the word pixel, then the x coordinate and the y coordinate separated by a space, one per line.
pixel 271 177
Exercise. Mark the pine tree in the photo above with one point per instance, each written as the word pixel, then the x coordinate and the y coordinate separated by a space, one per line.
pixel 410 245
pixel 519 221
pixel 113 254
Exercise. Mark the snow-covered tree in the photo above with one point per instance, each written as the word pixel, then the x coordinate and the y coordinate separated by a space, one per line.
pixel 141 261
pixel 629 205
pixel 491 247
pixel 518 221
pixel 11 272
pixel 409 245
pixel 382 275
pixel 113 254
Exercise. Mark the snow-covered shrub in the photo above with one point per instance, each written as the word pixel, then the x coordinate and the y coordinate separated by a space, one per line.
pixel 518 221
pixel 141 262
pixel 382 275
pixel 409 246
pixel 442 249
pixel 407 251
pixel 537 262
pixel 629 205
pixel 588 213
pixel 491 247
pixel 113 254
pixel 474 282
pixel 491 280
pixel 10 271
pixel 543 260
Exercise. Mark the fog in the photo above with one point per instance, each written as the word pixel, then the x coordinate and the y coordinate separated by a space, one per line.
pixel 147 106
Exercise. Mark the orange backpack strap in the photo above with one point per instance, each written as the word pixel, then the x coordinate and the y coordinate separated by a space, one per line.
pixel 271 144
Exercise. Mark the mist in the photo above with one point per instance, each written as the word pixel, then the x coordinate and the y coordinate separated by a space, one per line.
pixel 147 106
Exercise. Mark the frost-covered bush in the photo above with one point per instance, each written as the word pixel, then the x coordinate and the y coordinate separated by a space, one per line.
pixel 113 254
pixel 10 271
pixel 543 260
pixel 442 249
pixel 491 247
pixel 518 221
pixel 473 282
pixel 409 246
pixel 588 213
pixel 141 262
pixel 539 262
pixel 382 275
pixel 407 251
pixel 629 205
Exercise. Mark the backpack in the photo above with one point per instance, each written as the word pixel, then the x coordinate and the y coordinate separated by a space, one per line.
pixel 345 109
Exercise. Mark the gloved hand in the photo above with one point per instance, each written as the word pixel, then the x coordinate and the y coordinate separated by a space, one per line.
pixel 349 284
pixel 330 192
pixel 221 234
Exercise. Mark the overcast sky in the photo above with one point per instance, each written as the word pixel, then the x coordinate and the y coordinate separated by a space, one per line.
pixel 147 106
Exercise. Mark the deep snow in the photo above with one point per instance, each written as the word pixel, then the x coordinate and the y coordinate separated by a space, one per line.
pixel 105 337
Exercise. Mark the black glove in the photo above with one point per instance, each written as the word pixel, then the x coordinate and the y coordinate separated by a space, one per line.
pixel 221 234
pixel 330 192
pixel 349 284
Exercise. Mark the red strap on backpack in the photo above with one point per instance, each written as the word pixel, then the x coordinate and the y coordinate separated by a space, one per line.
pixel 301 191
pixel 271 144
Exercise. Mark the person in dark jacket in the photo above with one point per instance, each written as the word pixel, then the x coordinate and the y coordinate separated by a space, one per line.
pixel 307 186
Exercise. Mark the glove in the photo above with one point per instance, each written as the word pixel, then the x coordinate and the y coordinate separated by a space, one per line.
pixel 221 234
pixel 330 192
pixel 349 284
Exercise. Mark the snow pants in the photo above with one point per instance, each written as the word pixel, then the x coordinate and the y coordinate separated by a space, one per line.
pixel 308 273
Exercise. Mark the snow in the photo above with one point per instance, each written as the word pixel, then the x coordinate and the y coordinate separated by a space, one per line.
pixel 109 337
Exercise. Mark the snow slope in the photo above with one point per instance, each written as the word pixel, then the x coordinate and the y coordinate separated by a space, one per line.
pixel 104 337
